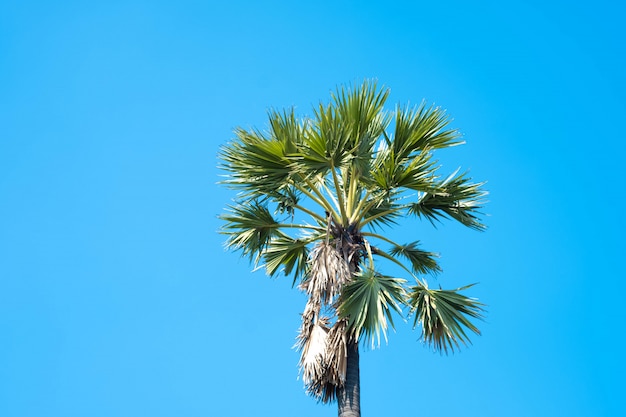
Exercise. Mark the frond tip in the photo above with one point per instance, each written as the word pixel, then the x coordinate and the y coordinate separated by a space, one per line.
pixel 443 316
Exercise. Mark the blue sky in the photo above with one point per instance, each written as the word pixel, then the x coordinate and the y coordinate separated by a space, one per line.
pixel 116 295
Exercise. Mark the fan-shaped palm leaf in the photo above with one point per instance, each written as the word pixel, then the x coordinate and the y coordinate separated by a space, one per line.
pixel 255 163
pixel 249 227
pixel 443 315
pixel 422 262
pixel 456 197
pixel 367 302
pixel 391 171
pixel 287 253
pixel 421 129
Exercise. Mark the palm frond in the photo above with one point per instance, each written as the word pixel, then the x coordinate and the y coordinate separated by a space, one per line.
pixel 421 129
pixel 336 353
pixel 390 171
pixel 288 129
pixel 444 315
pixel 344 132
pixel 256 164
pixel 312 358
pixel 323 354
pixel 456 197
pixel 286 199
pixel 287 253
pixel 379 252
pixel 422 262
pixel 361 110
pixel 249 226
pixel 367 302
pixel 385 212
pixel 324 372
pixel 381 208
pixel 325 147
pixel 328 272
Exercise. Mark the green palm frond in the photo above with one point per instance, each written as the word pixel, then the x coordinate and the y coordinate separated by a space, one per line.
pixel 327 141
pixel 444 315
pixel 456 197
pixel 422 262
pixel 382 209
pixel 416 174
pixel 286 199
pixel 250 227
pixel 345 131
pixel 367 302
pixel 391 171
pixel 287 253
pixel 256 164
pixel 421 129
pixel 286 128
pixel 361 109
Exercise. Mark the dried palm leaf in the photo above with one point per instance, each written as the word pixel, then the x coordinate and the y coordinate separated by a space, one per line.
pixel 336 353
pixel 312 363
pixel 328 272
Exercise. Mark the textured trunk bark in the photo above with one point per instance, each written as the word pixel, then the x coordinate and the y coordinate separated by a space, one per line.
pixel 349 397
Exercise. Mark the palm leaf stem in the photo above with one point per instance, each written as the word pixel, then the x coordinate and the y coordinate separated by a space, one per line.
pixel 310 213
pixel 368 248
pixel 395 261
pixel 376 216
pixel 340 195
pixel 318 198
pixel 359 207
pixel 331 195
pixel 352 191
pixel 377 236
pixel 300 226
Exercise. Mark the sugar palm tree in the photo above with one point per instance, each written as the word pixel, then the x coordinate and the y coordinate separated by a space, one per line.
pixel 315 194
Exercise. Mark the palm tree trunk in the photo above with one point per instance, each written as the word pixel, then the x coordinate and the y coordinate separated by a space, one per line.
pixel 349 397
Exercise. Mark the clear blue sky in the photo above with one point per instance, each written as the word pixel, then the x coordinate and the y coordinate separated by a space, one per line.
pixel 116 295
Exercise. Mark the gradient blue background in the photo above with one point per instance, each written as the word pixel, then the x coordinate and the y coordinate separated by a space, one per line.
pixel 116 295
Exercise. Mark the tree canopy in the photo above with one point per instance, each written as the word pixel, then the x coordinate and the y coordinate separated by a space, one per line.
pixel 315 195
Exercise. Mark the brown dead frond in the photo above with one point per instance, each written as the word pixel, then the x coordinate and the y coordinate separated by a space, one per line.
pixel 323 359
pixel 327 274
pixel 312 359
pixel 336 353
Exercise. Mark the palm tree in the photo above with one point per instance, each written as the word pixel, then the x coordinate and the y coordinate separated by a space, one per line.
pixel 314 195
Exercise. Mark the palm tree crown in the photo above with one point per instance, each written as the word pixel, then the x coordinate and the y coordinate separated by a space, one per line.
pixel 315 193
